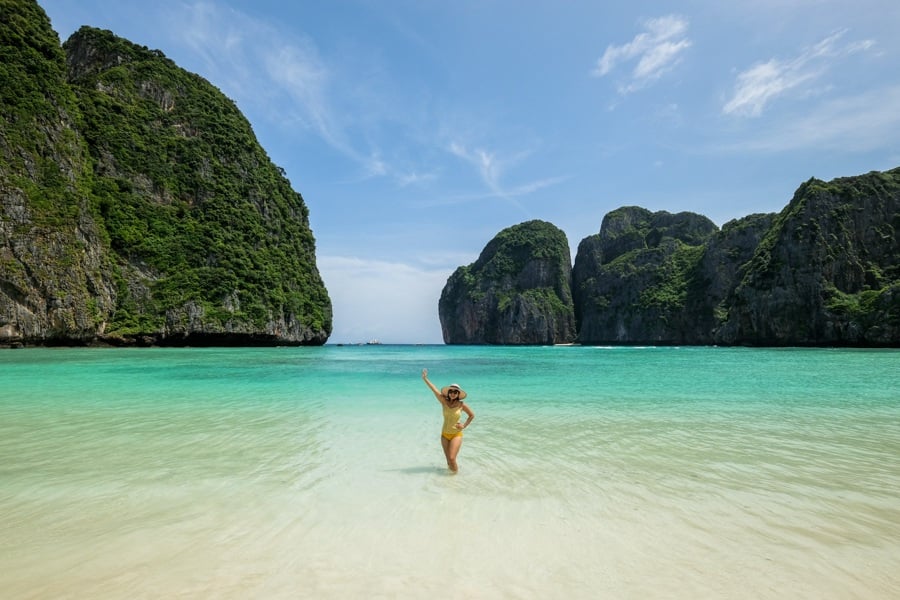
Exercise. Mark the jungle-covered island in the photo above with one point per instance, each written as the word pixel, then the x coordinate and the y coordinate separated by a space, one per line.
pixel 136 204
pixel 825 271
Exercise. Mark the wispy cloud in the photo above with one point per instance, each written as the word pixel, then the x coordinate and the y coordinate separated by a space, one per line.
pixel 861 123
pixel 415 178
pixel 286 80
pixel 491 170
pixel 297 71
pixel 764 82
pixel 257 66
pixel 484 161
pixel 657 50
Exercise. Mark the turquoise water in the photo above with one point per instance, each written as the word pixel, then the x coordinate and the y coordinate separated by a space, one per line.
pixel 318 472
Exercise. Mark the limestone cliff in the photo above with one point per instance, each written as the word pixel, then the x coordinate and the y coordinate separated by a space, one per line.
pixel 718 273
pixel 56 277
pixel 517 292
pixel 828 270
pixel 823 272
pixel 631 281
pixel 136 205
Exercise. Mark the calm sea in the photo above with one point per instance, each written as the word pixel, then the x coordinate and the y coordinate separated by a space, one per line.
pixel 318 473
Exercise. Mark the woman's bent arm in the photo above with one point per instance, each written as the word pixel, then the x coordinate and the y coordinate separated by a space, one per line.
pixel 471 415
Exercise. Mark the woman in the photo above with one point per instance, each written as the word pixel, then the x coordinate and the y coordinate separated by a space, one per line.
pixel 451 399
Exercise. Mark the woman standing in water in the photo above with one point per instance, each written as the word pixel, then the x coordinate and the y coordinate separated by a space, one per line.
pixel 451 399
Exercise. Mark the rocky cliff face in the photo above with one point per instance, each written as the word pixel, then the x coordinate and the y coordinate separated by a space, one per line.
pixel 56 282
pixel 825 272
pixel 517 292
pixel 136 205
pixel 718 273
pixel 632 280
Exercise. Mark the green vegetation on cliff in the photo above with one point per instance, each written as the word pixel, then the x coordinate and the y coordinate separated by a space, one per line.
pixel 517 292
pixel 34 100
pixel 676 274
pixel 507 254
pixel 191 230
pixel 824 271
pixel 835 249
pixel 185 188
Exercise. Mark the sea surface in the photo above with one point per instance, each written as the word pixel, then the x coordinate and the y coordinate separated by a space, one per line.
pixel 318 473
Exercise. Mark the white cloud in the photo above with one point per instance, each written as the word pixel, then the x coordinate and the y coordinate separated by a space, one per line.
pixel 290 84
pixel 389 301
pixel 762 83
pixel 491 170
pixel 199 29
pixel 657 50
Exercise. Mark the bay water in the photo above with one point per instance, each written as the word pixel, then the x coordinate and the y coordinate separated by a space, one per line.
pixel 318 473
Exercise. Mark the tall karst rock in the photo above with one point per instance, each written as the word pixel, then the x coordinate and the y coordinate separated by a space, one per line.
pixel 138 206
pixel 824 272
pixel 827 271
pixel 718 273
pixel 56 275
pixel 632 281
pixel 517 292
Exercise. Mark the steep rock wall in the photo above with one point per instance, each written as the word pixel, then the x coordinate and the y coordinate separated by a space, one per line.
pixel 632 280
pixel 517 292
pixel 823 272
pixel 136 205
pixel 828 270
pixel 55 275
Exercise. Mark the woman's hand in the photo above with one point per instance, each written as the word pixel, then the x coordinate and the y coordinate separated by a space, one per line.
pixel 434 390
pixel 460 426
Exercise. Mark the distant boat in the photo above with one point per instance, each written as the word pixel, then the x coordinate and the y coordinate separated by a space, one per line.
pixel 373 342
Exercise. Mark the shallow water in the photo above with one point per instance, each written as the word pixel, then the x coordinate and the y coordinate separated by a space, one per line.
pixel 318 472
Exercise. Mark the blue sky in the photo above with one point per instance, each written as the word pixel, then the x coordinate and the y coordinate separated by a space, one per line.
pixel 417 130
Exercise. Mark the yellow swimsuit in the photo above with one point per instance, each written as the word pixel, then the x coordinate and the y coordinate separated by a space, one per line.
pixel 451 418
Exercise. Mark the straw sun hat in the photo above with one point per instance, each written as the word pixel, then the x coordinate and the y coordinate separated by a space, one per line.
pixel 454 386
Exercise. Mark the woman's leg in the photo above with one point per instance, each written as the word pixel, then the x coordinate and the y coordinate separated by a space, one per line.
pixel 453 447
pixel 446 445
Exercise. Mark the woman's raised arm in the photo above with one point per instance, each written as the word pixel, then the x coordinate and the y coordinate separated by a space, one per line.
pixel 437 392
